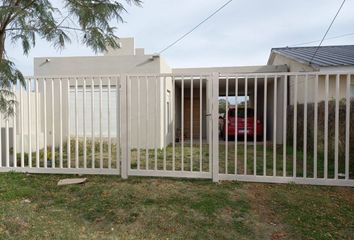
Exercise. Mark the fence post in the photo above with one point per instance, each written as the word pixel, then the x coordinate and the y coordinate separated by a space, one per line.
pixel 215 126
pixel 124 124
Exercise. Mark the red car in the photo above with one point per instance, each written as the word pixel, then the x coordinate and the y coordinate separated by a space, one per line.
pixel 231 131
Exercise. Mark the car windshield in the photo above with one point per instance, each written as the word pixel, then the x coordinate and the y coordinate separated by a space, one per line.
pixel 241 113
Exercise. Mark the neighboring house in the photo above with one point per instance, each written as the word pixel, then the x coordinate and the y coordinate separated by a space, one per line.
pixel 327 59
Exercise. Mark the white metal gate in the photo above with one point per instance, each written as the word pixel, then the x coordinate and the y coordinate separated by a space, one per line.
pixel 162 140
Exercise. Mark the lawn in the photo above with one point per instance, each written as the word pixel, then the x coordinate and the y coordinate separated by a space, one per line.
pixel 107 207
pixel 228 154
pixel 149 159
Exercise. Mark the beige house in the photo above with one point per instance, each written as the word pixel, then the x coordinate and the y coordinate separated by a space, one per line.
pixel 128 60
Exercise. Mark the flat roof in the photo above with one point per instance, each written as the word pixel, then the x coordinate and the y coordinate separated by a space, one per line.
pixel 235 69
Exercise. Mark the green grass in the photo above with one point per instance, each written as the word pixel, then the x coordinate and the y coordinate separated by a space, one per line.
pixel 227 160
pixel 89 153
pixel 149 159
pixel 316 212
pixel 107 207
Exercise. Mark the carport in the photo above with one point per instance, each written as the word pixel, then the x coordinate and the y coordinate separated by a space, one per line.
pixel 247 85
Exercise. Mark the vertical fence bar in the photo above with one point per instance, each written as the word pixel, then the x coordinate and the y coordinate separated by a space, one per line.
pixel 45 152
pixel 215 118
pixel 236 122
pixel 101 140
pixel 200 124
pixel 29 123
pixel 123 123
pixel 255 129
pixel 129 110
pixel 14 131
pixel 209 108
pixel 118 111
pixel 109 123
pixel 76 128
pixel 22 105
pixel 174 124
pixel 295 127
pixel 326 128
pixel 245 131
pixel 60 124
pixel 156 132
pixel 285 103
pixel 92 123
pixel 68 143
pixel 164 123
pixel 305 127
pixel 147 125
pixel 37 123
pixel 275 127
pixel 138 123
pixel 84 121
pixel 315 133
pixel 7 142
pixel 227 125
pixel 53 126
pixel 347 127
pixel 191 125
pixel 265 128
pixel 336 129
pixel 182 127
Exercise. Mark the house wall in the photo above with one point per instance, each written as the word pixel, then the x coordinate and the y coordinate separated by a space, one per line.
pixel 166 96
pixel 28 121
pixel 275 115
pixel 106 65
pixel 295 66
pixel 126 48
pixel 302 88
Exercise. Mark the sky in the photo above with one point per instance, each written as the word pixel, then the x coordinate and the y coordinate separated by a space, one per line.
pixel 243 33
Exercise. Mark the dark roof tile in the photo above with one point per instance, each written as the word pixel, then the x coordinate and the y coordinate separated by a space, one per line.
pixel 326 55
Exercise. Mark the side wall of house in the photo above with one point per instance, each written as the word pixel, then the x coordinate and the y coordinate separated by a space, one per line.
pixel 29 123
pixel 302 88
pixel 295 66
pixel 100 66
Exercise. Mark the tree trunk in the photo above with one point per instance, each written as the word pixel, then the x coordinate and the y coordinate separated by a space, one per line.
pixel 2 45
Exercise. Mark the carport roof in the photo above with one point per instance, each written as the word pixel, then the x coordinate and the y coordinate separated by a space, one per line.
pixel 234 69
pixel 326 56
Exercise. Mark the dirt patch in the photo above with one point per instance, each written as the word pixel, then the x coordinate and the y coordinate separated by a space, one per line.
pixel 268 224
pixel 279 235
pixel 14 225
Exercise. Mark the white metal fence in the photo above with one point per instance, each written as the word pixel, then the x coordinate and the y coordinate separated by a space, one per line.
pixel 303 152
pixel 39 138
pixel 264 127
